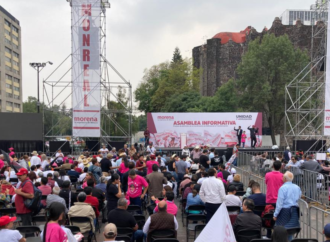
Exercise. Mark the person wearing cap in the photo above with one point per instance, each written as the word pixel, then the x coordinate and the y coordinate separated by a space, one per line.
pixel 110 232
pixel 7 233
pixel 196 153
pixel 150 163
pixel 35 160
pixel 186 180
pixel 326 232
pixel 230 178
pixel 212 194
pixel 25 191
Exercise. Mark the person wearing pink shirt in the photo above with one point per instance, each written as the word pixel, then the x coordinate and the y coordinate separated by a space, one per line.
pixel 171 207
pixel 150 163
pixel 45 189
pixel 53 231
pixel 123 168
pixel 273 180
pixel 135 184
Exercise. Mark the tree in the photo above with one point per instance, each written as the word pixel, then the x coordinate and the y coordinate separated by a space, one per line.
pixel 182 102
pixel 177 58
pixel 269 64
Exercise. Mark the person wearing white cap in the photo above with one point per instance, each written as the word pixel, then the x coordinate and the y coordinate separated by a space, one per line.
pixel 230 178
pixel 35 160
pixel 110 232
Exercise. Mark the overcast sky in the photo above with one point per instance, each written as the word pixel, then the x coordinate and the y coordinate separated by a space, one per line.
pixel 140 33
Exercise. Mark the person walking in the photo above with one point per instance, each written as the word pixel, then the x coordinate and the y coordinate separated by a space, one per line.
pixel 212 194
pixel 239 133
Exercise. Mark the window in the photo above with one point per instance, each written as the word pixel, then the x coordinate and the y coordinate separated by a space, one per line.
pixel 16 105
pixel 309 16
pixel 7 32
pixel 8 50
pixel 16 80
pixel 9 77
pixel 7 59
pixel 16 97
pixel 7 41
pixel 15 63
pixel 15 54
pixel 8 68
pixel 7 23
pixel 9 95
pixel 15 29
pixel 13 70
pixel 16 88
pixel 9 104
pixel 9 86
pixel 14 37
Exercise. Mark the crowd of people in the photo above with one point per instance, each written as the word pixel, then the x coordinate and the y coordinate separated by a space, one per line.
pixel 107 184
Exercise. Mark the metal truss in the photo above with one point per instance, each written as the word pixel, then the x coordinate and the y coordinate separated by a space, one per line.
pixel 304 95
pixel 57 90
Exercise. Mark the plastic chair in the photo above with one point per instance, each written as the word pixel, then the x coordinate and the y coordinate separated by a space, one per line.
pixel 162 234
pixel 124 238
pixel 124 231
pixel 74 229
pixel 166 240
pixel 260 240
pixel 259 209
pixel 140 220
pixel 79 220
pixel 240 193
pixel 233 209
pixel 7 211
pixel 183 204
pixel 134 209
pixel 200 208
pixel 29 230
pixel 246 235
pixel 304 240
pixel 38 218
pixel 195 226
pixel 73 180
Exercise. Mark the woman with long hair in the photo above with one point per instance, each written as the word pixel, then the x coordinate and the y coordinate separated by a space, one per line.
pixel 113 192
pixel 123 168
pixel 53 231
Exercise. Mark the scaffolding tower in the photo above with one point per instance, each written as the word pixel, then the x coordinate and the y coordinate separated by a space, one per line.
pixel 304 95
pixel 57 90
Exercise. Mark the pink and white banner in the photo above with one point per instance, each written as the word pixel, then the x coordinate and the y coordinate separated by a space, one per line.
pixel 327 87
pixel 213 129
pixel 86 74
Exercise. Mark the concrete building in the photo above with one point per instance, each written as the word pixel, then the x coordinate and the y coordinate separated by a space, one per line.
pixel 10 63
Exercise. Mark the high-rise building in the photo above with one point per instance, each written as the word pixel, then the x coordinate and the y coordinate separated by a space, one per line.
pixel 307 17
pixel 10 63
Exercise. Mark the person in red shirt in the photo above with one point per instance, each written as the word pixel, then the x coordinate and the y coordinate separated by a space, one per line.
pixel 150 163
pixel 25 191
pixel 140 163
pixel 45 189
pixel 273 180
pixel 93 201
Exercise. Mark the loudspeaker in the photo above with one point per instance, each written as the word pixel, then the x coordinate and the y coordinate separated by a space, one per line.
pixel 63 145
pixel 266 131
pixel 93 145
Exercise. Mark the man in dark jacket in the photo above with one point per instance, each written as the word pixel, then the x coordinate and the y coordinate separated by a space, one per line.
pixel 239 132
pixel 253 132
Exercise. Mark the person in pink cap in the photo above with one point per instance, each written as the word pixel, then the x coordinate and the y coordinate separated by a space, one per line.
pixel 7 233
pixel 25 191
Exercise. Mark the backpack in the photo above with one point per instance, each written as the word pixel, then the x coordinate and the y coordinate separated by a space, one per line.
pixel 33 204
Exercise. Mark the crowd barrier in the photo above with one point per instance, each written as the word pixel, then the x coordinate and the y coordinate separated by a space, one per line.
pixel 313 216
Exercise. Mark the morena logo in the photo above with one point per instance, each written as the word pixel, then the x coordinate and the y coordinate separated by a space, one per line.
pixel 85 119
pixel 165 117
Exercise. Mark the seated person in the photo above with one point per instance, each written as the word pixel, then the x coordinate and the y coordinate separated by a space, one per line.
pixel 247 220
pixel 6 230
pixel 237 183
pixel 258 198
pixel 121 218
pixel 231 198
pixel 194 199
pixel 73 171
pixel 171 207
pixel 110 232
pixel 188 190
pixel 92 200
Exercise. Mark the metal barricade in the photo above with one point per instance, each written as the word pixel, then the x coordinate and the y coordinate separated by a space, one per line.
pixel 318 218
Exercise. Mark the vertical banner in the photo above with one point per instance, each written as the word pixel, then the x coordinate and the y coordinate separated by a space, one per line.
pixel 327 85
pixel 86 74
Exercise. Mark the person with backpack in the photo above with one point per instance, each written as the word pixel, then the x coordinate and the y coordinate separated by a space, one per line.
pixel 23 192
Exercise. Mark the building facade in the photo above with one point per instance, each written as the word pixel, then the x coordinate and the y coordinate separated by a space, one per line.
pixel 219 58
pixel 307 17
pixel 10 63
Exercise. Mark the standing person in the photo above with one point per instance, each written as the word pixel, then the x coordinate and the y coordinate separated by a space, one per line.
pixel 140 164
pixel 204 160
pixel 294 166
pixel 287 154
pixel 106 165
pixel 156 180
pixel 253 137
pixel 273 180
pixel 186 151
pixel 150 163
pixel 7 233
pixel 125 149
pixel 196 153
pixel 135 184
pixel 239 133
pixel 151 149
pixel 287 208
pixel 35 160
pixel 212 194
pixel 146 137
pixel 25 191
pixel 113 192
pixel 59 155
pixel 132 151
pixel 181 167
pixel 104 151
pixel 53 231
pixel 243 138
